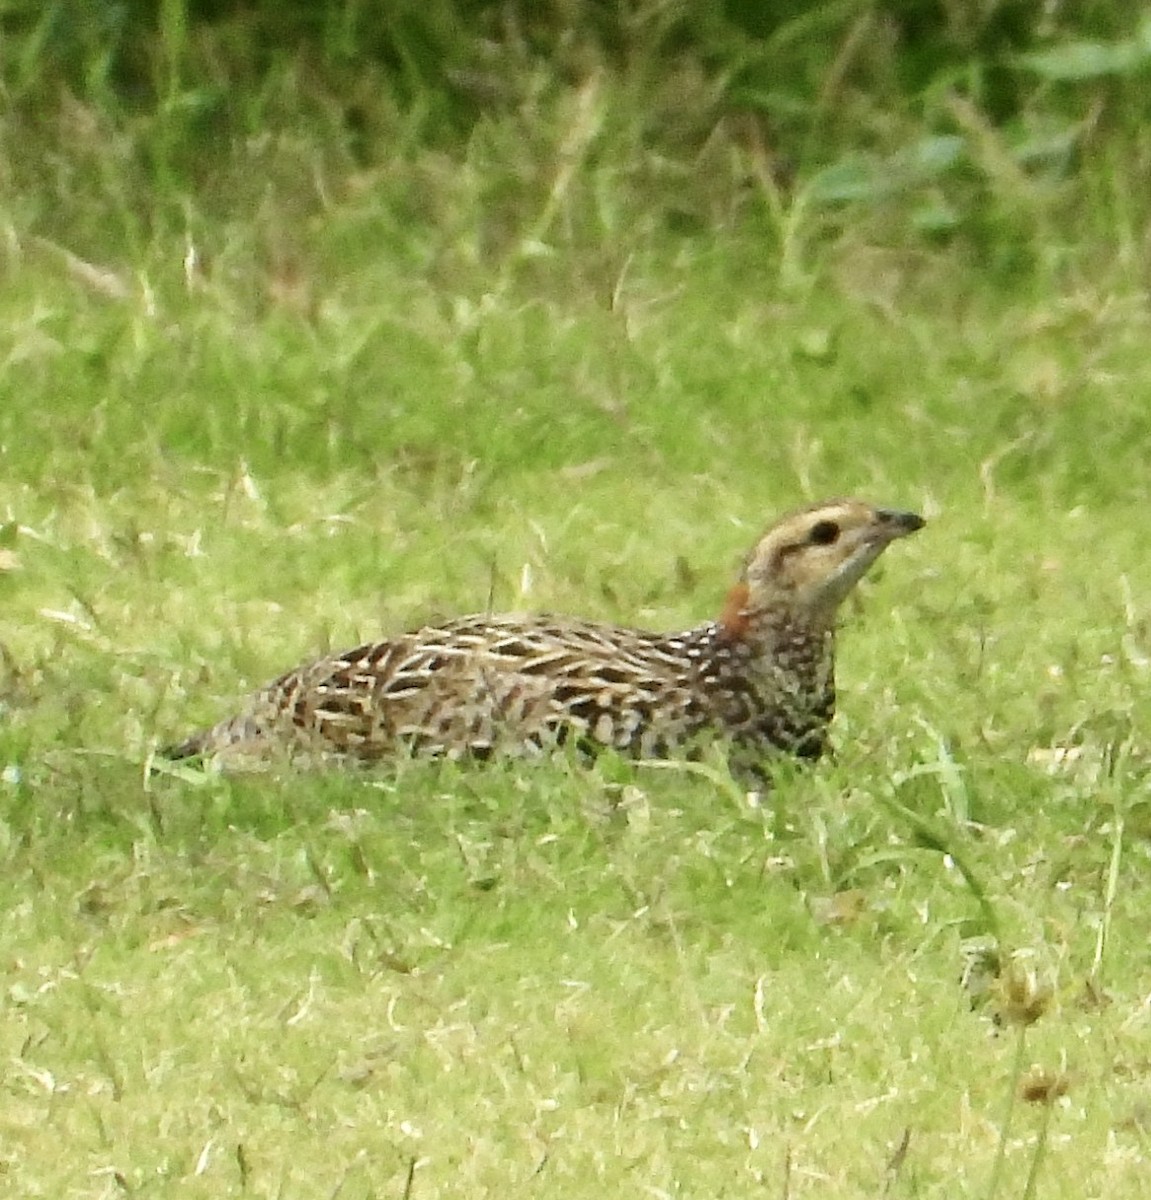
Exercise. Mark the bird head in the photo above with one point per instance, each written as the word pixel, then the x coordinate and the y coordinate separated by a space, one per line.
pixel 809 560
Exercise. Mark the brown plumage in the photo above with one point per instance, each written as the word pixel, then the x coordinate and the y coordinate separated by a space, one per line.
pixel 761 676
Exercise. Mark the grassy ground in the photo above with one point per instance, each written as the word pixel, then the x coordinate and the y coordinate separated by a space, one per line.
pixel 626 980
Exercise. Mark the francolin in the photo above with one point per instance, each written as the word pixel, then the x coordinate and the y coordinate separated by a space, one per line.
pixel 760 677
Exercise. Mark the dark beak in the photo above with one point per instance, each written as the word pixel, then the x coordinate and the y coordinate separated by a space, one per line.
pixel 896 524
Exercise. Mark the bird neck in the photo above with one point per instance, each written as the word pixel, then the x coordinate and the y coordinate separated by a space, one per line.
pixel 768 624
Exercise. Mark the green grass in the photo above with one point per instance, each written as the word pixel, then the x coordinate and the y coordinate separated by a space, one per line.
pixel 624 980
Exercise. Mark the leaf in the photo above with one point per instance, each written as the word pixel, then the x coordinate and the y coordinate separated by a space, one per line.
pixel 850 179
pixel 1083 60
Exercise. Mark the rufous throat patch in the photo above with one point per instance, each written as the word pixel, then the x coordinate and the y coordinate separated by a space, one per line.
pixel 734 619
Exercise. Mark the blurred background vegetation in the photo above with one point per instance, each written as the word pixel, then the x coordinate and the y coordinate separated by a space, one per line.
pixel 910 122
pixel 325 227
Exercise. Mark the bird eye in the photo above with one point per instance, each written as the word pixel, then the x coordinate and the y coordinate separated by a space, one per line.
pixel 823 533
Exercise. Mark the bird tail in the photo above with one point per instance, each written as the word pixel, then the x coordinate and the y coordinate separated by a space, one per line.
pixel 242 734
pixel 194 747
